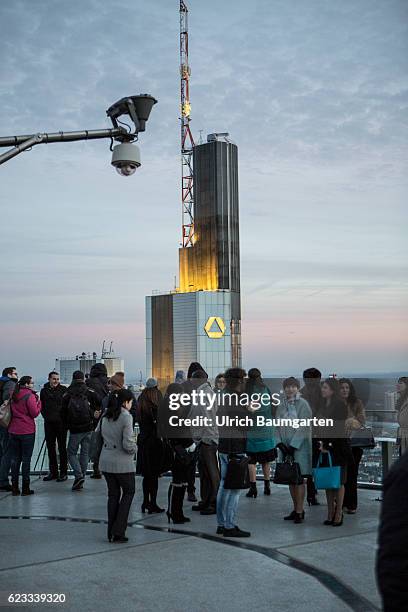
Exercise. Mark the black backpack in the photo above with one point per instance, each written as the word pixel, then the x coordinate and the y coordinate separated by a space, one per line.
pixel 79 411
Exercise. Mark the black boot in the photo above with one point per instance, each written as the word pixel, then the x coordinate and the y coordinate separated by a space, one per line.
pixel 146 499
pixel 175 512
pixel 252 491
pixel 153 507
pixel 26 489
pixel 267 487
pixel 180 498
pixel 14 489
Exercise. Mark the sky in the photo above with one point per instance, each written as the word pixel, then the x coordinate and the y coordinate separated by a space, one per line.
pixel 314 93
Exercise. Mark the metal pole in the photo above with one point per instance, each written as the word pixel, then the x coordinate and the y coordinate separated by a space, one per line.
pixel 21 143
pixel 21 147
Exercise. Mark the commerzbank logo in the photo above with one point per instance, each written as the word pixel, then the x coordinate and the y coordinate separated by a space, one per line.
pixel 215 327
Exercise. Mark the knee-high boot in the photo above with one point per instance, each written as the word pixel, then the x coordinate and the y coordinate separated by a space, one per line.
pixel 175 511
pixel 146 500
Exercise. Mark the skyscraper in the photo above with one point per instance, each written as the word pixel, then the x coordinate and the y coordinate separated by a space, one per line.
pixel 201 320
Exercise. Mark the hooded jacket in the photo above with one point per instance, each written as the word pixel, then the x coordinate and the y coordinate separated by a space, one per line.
pixel 98 381
pixel 51 403
pixel 77 389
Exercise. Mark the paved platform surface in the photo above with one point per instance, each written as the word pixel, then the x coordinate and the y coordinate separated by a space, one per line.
pixel 55 542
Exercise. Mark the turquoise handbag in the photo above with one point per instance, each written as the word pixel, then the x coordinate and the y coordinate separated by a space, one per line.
pixel 327 477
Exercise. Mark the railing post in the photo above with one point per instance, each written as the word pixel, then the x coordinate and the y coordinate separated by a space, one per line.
pixel 386 452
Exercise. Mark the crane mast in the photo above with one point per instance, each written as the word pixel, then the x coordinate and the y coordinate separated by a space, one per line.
pixel 187 141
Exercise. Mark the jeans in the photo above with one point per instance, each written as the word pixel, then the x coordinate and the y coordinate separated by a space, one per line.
pixel 77 440
pixel 121 490
pixel 56 432
pixel 227 499
pixel 4 457
pixel 21 448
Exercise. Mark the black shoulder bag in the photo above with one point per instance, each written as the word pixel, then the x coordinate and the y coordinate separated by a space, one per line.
pixel 237 476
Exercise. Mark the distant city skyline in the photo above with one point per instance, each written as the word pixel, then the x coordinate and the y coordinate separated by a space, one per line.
pixel 315 95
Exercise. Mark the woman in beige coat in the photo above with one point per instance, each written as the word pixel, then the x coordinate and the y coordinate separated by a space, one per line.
pixel 117 461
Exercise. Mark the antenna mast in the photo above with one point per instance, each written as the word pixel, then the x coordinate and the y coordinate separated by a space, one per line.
pixel 187 141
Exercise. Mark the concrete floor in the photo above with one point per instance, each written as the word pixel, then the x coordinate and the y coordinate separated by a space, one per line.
pixel 282 566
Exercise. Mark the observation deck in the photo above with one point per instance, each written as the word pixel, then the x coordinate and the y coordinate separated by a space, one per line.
pixel 55 542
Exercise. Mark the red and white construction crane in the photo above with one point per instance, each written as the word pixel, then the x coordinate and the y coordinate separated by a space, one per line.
pixel 187 141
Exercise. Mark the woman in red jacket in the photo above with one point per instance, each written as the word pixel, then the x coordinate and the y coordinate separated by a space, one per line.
pixel 25 407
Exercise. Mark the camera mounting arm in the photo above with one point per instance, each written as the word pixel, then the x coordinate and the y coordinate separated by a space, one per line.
pixel 138 108
pixel 22 143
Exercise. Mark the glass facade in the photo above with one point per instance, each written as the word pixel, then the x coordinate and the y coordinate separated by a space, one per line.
pixel 213 262
pixel 209 271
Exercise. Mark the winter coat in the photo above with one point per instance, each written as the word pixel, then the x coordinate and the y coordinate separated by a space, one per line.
pixel 177 436
pixel 261 438
pixel 301 437
pixel 78 389
pixel 335 439
pixel 355 417
pixel 392 555
pixel 311 392
pixel 119 446
pixel 149 444
pixel 98 381
pixel 232 438
pixel 6 388
pixel 51 403
pixel 207 434
pixel 24 409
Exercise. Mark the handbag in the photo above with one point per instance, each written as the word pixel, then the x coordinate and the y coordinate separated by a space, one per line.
pixel 288 472
pixel 183 455
pixel 237 476
pixel 362 438
pixel 95 444
pixel 5 413
pixel 327 477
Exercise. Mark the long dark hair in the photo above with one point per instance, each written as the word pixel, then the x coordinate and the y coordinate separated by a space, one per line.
pixel 335 387
pixel 254 379
pixel 149 395
pixel 116 401
pixel 403 396
pixel 352 398
pixel 24 380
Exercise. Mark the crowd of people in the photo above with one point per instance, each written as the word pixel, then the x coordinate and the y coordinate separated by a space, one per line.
pixel 97 405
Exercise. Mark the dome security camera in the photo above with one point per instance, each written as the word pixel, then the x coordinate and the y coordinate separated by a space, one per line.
pixel 126 158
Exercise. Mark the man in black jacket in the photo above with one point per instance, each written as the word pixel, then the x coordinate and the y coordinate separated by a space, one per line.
pixel 8 381
pixel 98 382
pixel 79 407
pixel 232 441
pixel 55 431
pixel 392 555
pixel 190 385
pixel 311 392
